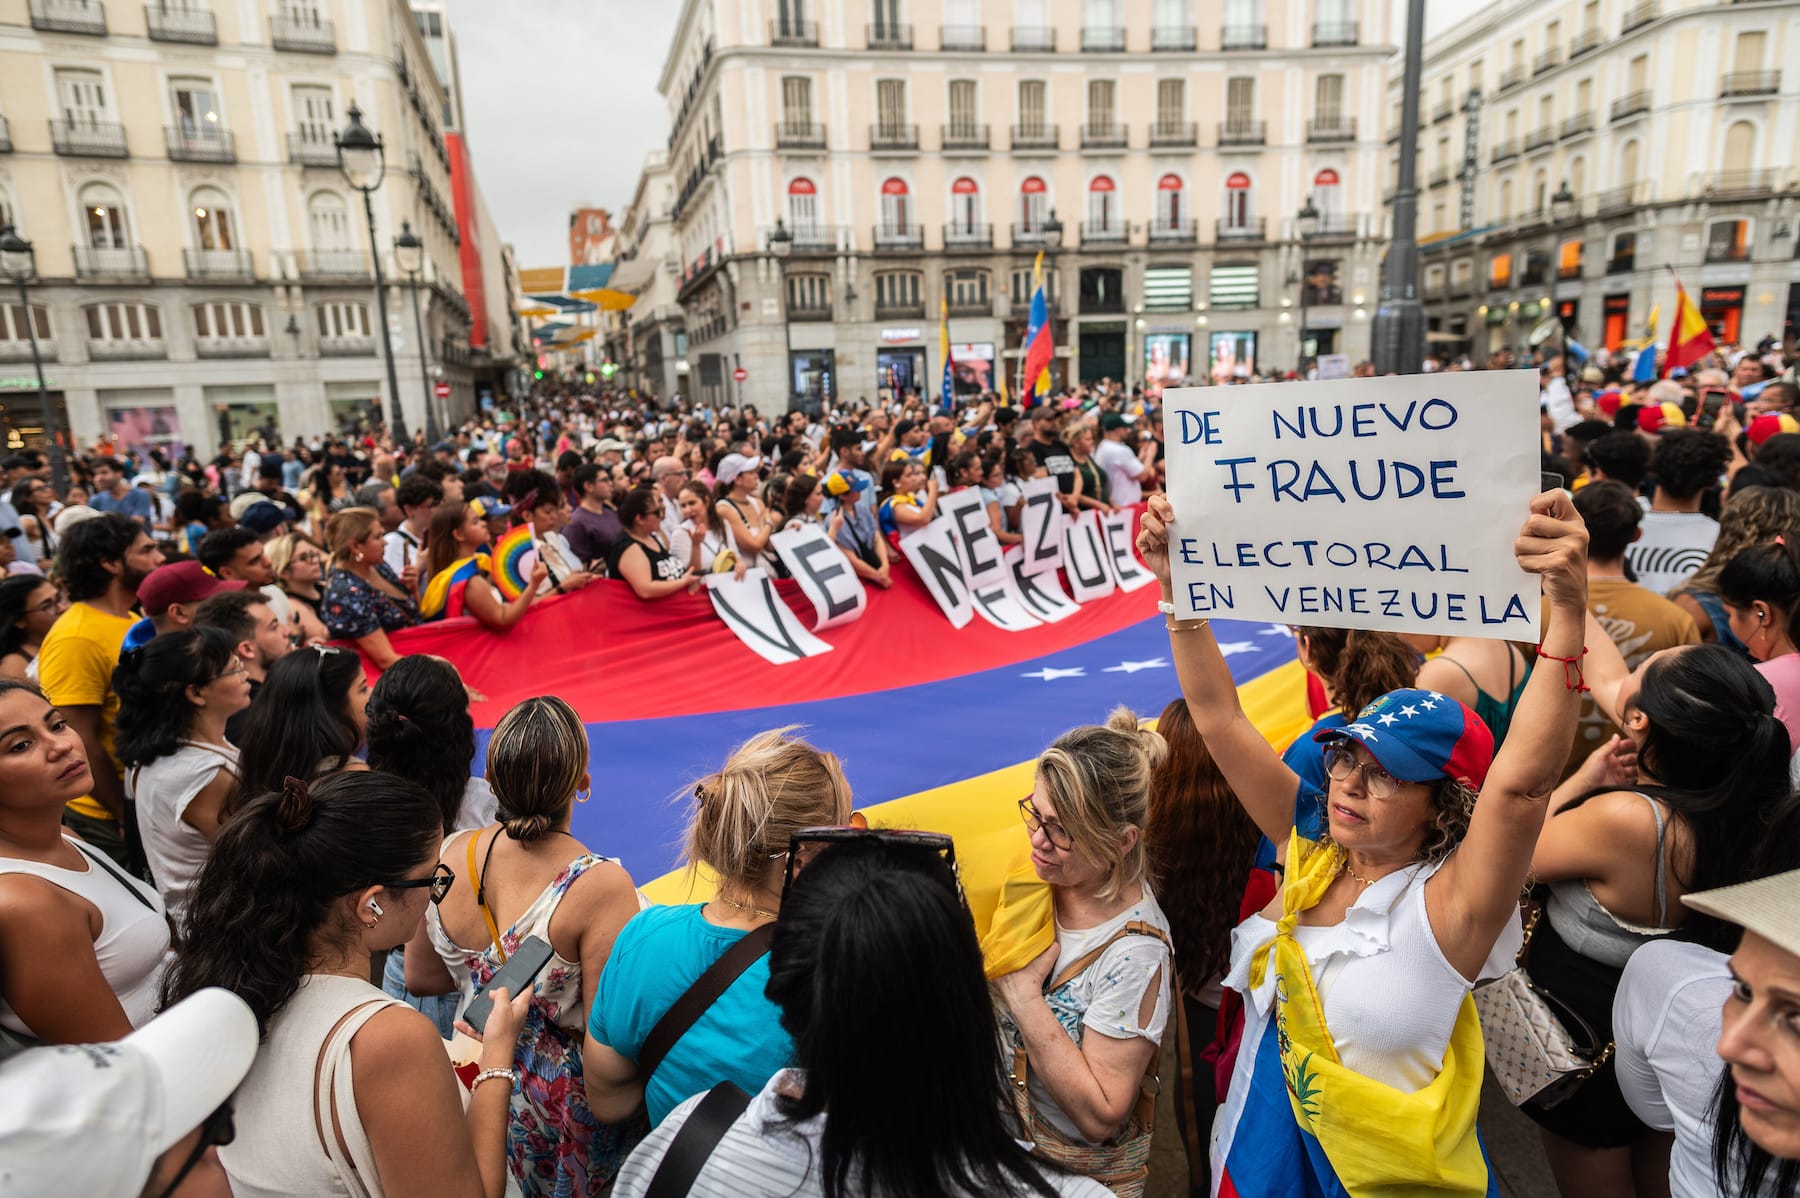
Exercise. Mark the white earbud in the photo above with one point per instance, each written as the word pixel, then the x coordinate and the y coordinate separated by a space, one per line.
pixel 375 907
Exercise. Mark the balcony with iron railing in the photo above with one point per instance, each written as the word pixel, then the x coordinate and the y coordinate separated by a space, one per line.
pixel 899 238
pixel 1584 42
pixel 116 263
pixel 1440 177
pixel 1566 272
pixel 1504 150
pixel 1102 39
pixel 1549 60
pixel 1334 33
pixel 1104 135
pixel 1029 235
pixel 1033 38
pixel 316 265
pixel 68 16
pixel 218 265
pixel 200 143
pixel 1174 133
pixel 1243 132
pixel 817 239
pixel 1331 128
pixel 1443 112
pixel 1630 104
pixel 783 32
pixel 1640 15
pixel 1034 137
pixel 1335 226
pixel 1173 232
pixel 799 135
pixel 892 138
pixel 1511 77
pixel 1255 228
pixel 1727 251
pixel 1173 38
pixel 962 37
pixel 1740 184
pixel 1622 264
pixel 1750 83
pixel 963 136
pixel 889 36
pixel 302 35
pixel 1244 37
pixel 1622 199
pixel 1538 138
pixel 1575 126
pixel 1108 232
pixel 193 26
pixel 307 150
pixel 88 139
pixel 959 235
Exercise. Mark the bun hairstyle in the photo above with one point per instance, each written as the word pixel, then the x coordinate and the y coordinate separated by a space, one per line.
pixel 264 906
pixel 1359 666
pixel 419 728
pixel 536 760
pixel 772 785
pixel 638 503
pixel 1098 779
pixel 347 528
pixel 1767 573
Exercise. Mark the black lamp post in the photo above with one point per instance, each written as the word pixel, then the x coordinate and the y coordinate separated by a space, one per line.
pixel 1307 222
pixel 409 252
pixel 362 160
pixel 18 262
pixel 1562 208
pixel 781 244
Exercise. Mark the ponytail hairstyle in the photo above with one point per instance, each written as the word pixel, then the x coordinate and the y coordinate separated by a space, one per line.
pixel 420 729
pixel 1767 573
pixel 771 786
pixel 152 682
pixel 799 489
pixel 861 925
pixel 261 910
pixel 300 725
pixel 1098 779
pixel 537 759
pixel 1358 666
pixel 1201 842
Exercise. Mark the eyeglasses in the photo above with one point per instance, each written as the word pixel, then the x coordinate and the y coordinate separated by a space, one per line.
pixel 440 881
pixel 1341 763
pixel 937 842
pixel 52 604
pixel 233 672
pixel 219 1130
pixel 1059 835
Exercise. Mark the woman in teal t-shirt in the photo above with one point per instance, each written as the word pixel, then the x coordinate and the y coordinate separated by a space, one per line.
pixel 771 786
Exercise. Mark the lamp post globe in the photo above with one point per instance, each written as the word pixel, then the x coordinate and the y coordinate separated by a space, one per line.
pixel 1053 231
pixel 1307 219
pixel 362 161
pixel 1562 204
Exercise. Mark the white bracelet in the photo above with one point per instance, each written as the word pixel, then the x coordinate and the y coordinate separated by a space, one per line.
pixel 511 1075
pixel 1165 607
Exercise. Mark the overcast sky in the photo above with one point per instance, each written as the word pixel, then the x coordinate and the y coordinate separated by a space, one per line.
pixel 561 103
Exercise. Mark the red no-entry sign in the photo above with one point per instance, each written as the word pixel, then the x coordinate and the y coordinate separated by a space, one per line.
pixel 740 374
pixel 442 390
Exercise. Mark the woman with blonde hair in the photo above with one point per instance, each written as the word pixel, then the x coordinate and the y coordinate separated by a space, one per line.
pixel 364 600
pixel 299 565
pixel 1752 516
pixel 528 875
pixel 1084 1018
pixel 772 785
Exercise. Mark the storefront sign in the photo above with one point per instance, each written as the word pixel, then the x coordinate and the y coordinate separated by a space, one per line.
pixel 895 336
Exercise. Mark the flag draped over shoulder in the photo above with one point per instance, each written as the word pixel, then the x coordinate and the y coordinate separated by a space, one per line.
pixel 1689 338
pixel 946 397
pixel 1307 1126
pixel 1040 340
pixel 443 597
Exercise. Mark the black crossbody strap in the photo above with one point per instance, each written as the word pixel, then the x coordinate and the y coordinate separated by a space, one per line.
pixel 698 998
pixel 693 1145
pixel 99 858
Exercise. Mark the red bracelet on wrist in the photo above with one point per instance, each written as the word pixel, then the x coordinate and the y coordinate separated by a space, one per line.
pixel 1572 675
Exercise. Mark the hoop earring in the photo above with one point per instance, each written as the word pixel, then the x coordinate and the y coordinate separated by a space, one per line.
pixel 582 796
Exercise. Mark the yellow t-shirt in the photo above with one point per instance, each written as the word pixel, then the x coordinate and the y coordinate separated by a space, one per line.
pixel 75 669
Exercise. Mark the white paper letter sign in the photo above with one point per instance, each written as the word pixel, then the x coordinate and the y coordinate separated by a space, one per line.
pixel 934 557
pixel 1085 558
pixel 1119 530
pixel 825 577
pixel 974 536
pixel 1385 503
pixel 761 620
pixel 1039 594
pixel 1040 519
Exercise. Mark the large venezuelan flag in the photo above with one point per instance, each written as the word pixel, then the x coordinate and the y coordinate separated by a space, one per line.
pixel 937 727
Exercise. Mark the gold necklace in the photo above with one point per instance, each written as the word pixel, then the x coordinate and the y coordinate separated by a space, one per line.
pixel 1345 867
pixel 758 912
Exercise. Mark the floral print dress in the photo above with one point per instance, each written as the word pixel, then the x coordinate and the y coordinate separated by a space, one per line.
pixel 555 1147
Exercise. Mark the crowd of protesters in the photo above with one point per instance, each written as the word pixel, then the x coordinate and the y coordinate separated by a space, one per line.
pixel 201 792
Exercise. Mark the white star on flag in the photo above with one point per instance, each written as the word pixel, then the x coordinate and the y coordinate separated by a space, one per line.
pixel 1051 673
pixel 1409 711
pixel 1387 718
pixel 1229 648
pixel 1428 705
pixel 1132 667
pixel 1275 630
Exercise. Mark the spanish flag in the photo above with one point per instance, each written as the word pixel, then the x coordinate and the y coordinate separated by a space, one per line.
pixel 1689 339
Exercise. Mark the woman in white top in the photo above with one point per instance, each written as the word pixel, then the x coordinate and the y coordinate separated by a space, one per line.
pixel 1391 904
pixel 1089 1012
pixel 175 694
pixel 548 512
pixel 701 538
pixel 748 524
pixel 82 947
pixel 898 1088
pixel 352 1093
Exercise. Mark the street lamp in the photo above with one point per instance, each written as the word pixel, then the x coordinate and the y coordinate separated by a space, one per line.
pixel 18 262
pixel 409 253
pixel 781 244
pixel 362 161
pixel 1307 221
pixel 1562 207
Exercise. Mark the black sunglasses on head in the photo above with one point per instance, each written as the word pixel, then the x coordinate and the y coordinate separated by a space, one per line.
pixel 937 842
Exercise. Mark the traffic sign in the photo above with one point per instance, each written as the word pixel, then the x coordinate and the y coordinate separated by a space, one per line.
pixel 442 390
pixel 740 374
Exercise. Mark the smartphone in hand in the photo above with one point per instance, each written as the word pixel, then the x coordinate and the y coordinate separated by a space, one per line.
pixel 520 970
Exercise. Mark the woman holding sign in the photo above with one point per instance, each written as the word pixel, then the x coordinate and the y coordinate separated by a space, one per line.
pixel 1412 890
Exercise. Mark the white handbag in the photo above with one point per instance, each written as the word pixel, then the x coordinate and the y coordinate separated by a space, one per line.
pixel 1531 1051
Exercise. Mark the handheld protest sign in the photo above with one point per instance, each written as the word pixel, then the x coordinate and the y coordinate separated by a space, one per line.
pixel 1381 503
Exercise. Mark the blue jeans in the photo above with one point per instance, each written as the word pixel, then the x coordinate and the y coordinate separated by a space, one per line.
pixel 439 1008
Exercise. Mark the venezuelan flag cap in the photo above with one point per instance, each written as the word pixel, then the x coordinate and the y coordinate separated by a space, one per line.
pixel 1656 417
pixel 1421 736
pixel 1771 424
pixel 1608 402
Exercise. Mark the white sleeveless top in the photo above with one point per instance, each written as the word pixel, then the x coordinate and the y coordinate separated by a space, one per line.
pixel 162 791
pixel 278 1150
pixel 133 945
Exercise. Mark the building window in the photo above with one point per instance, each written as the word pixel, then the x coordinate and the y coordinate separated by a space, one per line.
pixel 897 292
pixel 1728 241
pixel 1102 289
pixel 1171 103
pixel 123 322
pixel 104 213
pixel 803 206
pixel 1034 201
pixel 965 205
pixel 1240 101
pixel 1623 257
pixel 1103 204
pixel 1170 208
pixel 1237 200
pixel 796 103
pixel 343 321
pixel 966 288
pixel 12 322
pixel 964 113
pixel 1023 285
pixel 1168 289
pixel 1234 286
pixel 328 223
pixel 212 221
pixel 82 95
pixel 1500 271
pixel 1102 98
pixel 809 294
pixel 1032 111
pixel 1328 100
pixel 315 118
pixel 890 106
pixel 1327 189
pixel 228 320
pixel 896 206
